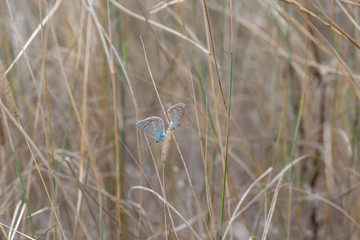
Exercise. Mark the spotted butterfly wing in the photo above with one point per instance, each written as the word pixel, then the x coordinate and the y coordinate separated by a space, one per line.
pixel 176 113
pixel 154 127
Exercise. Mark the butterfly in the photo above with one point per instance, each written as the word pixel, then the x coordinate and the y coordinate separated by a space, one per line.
pixel 176 113
pixel 154 127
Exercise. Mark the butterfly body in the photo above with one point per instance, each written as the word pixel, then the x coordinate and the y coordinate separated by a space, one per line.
pixel 175 113
pixel 154 127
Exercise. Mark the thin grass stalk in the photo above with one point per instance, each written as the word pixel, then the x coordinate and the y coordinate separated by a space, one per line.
pixel 78 119
pixel 203 93
pixel 28 141
pixel 204 152
pixel 181 156
pixel 191 186
pixel 18 232
pixel 263 191
pixel 271 210
pixel 330 203
pixel 206 182
pixel 33 35
pixel 236 213
pixel 292 154
pixel 103 35
pixel 209 41
pixel 30 144
pixel 166 143
pixel 152 22
pixel 169 130
pixel 278 137
pixel 82 167
pixel 355 122
pixel 223 20
pixel 165 201
pixel 169 59
pixel 326 140
pixel 168 205
pixel 157 93
pixel 71 205
pixel 14 215
pixel 206 102
pixel 117 153
pixel 296 133
pixel 19 218
pixel 70 116
pixel 5 87
pixel 29 67
pixel 164 150
pixel 285 148
pixel 11 101
pixel 160 183
pixel 39 105
pixel 138 164
pixel 228 123
pixel 4 232
pixel 317 76
pixel 123 133
pixel 138 144
pixel 327 22
pixel 213 53
pixel 18 170
pixel 332 53
pixel 44 233
pixel 50 137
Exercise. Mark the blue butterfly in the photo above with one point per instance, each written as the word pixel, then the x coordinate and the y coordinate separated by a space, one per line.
pixel 154 127
pixel 176 113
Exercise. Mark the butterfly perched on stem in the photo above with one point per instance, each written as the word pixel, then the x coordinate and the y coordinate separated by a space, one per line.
pixel 154 127
pixel 176 113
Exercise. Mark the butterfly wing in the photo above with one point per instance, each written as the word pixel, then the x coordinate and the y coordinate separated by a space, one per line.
pixel 176 113
pixel 154 127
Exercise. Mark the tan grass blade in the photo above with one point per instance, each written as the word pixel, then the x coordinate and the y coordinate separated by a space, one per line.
pixel 167 140
pixel 332 204
pixel 3 231
pixel 164 152
pixel 18 220
pixel 243 198
pixel 328 158
pixel 163 5
pixel 237 213
pixel 20 233
pixel 5 87
pixel 272 208
pixel 207 188
pixel 31 145
pixel 152 22
pixel 168 205
pixel 34 34
pixel 12 228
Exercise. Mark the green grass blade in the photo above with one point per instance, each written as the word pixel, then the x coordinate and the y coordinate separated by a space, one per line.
pixel 24 192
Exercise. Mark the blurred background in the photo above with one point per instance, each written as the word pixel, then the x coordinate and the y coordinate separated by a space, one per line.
pixel 271 91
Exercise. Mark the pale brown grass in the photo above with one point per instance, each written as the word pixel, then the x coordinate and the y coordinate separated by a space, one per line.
pixel 76 76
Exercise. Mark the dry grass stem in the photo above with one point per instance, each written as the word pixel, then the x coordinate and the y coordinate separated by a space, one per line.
pixel 166 143
pixel 5 87
pixel 268 147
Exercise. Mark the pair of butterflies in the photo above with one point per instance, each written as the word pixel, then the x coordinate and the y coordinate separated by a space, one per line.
pixel 154 126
